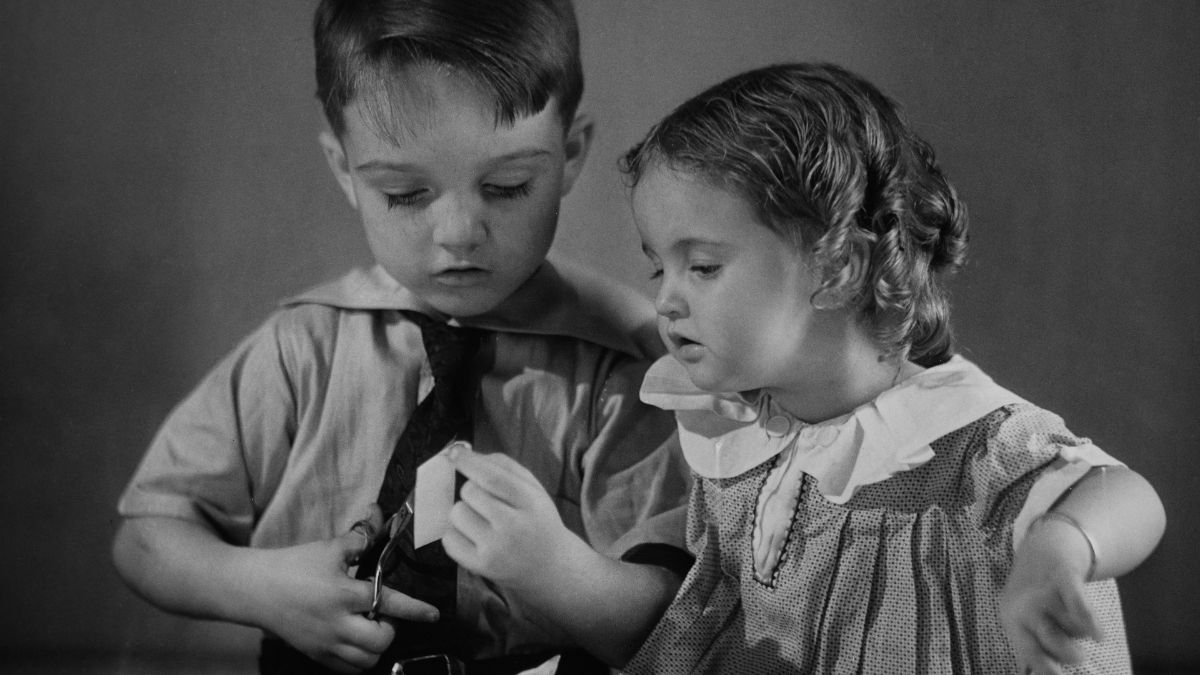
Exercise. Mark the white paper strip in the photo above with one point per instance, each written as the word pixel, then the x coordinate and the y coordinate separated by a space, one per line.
pixel 433 500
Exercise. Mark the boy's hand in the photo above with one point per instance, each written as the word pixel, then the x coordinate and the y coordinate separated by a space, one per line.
pixel 313 604
pixel 1043 609
pixel 505 524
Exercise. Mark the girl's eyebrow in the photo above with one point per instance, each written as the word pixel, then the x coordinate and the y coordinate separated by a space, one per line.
pixel 689 243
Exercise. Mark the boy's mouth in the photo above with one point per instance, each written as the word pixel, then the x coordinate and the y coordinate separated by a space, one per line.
pixel 461 276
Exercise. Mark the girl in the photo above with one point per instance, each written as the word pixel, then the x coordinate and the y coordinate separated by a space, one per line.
pixel 863 494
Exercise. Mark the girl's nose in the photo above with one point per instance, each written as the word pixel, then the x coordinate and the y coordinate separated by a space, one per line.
pixel 459 224
pixel 668 302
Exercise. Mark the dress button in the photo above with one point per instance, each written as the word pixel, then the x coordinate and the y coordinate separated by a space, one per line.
pixel 808 434
pixel 778 425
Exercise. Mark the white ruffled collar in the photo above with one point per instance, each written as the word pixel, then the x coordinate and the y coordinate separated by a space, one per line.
pixel 726 434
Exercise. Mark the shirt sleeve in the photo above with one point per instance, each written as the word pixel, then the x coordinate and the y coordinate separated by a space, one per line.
pixel 220 453
pixel 636 482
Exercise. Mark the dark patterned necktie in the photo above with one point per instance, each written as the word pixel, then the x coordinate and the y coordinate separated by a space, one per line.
pixel 444 415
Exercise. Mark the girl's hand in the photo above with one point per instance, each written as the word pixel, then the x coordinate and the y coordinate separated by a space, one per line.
pixel 311 602
pixel 505 524
pixel 1043 609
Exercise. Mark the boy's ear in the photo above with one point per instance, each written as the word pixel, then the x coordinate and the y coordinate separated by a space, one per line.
pixel 578 141
pixel 339 164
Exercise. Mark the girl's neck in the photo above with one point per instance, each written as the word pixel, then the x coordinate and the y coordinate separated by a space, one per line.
pixel 841 380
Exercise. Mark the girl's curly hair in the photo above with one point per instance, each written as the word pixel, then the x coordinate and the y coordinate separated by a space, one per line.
pixel 830 166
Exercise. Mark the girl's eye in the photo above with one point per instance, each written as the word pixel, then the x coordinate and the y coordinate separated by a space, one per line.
pixel 404 198
pixel 507 191
pixel 706 271
pixel 656 274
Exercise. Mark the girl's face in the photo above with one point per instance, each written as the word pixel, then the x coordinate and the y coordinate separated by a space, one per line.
pixel 734 298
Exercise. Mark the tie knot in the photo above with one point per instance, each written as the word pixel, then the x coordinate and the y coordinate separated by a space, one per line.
pixel 449 348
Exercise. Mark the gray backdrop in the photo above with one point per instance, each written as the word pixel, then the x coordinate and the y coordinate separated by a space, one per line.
pixel 161 188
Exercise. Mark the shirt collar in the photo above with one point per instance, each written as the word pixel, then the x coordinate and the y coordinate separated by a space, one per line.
pixel 726 434
pixel 558 300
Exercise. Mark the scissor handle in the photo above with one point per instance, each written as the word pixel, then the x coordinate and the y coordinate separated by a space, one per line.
pixel 394 526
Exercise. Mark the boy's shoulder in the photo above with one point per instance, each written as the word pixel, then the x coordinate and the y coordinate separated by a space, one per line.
pixel 560 300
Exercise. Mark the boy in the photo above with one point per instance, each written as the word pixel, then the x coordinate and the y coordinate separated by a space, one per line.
pixel 453 133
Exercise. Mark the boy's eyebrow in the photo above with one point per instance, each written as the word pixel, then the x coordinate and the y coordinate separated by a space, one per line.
pixel 385 165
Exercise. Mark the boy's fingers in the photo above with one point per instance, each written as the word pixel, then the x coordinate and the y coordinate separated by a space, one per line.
pixel 467 516
pixel 487 505
pixel 370 525
pixel 498 474
pixel 361 534
pixel 400 606
pixel 460 549
pixel 337 664
pixel 372 636
pixel 357 658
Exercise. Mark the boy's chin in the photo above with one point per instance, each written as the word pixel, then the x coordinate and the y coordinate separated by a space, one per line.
pixel 464 305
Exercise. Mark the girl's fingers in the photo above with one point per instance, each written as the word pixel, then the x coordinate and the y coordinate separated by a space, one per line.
pixel 1077 618
pixel 1056 643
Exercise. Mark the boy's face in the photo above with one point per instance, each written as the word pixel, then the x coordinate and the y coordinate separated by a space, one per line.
pixel 458 209
pixel 734 298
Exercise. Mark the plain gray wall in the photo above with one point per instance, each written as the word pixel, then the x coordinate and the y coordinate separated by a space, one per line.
pixel 161 189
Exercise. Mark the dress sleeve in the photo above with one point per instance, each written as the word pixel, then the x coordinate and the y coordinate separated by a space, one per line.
pixel 1031 460
pixel 636 482
pixel 218 457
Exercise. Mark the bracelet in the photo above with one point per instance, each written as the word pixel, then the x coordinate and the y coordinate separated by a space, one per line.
pixel 1059 515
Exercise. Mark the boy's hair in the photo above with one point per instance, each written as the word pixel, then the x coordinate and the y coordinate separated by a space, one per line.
pixel 519 52
pixel 830 166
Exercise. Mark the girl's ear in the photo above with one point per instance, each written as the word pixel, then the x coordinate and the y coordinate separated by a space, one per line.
pixel 339 164
pixel 575 149
pixel 830 298
pixel 849 283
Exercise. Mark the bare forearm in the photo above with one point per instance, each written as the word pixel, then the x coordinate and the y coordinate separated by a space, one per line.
pixel 183 567
pixel 607 606
pixel 1121 513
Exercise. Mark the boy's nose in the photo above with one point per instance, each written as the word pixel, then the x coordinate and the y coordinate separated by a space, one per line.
pixel 459 225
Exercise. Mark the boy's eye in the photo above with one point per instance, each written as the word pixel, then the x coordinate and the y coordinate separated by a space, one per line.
pixel 705 271
pixel 657 273
pixel 403 198
pixel 507 191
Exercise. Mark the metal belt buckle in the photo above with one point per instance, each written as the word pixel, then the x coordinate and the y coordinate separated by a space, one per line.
pixel 431 664
pixel 394 526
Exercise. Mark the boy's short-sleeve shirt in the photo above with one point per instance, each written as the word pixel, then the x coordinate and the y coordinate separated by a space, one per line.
pixel 286 440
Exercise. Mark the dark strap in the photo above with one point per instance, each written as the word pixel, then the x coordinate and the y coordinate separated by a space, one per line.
pixel 445 414
pixel 278 658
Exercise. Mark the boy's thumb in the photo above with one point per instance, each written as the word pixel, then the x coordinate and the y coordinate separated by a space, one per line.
pixel 362 533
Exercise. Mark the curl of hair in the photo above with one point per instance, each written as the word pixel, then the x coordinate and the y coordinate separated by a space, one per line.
pixel 521 53
pixel 830 166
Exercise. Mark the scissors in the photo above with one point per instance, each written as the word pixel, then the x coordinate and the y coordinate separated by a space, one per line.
pixel 394 526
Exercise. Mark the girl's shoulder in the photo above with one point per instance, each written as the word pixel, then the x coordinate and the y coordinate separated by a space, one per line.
pixel 1021 428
